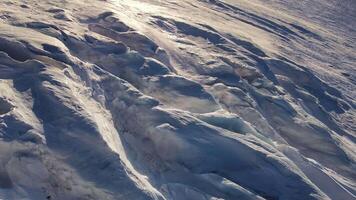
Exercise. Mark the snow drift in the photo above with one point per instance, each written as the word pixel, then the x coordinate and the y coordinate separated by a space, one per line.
pixel 176 100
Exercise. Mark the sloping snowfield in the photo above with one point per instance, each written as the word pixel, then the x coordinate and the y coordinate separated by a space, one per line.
pixel 177 99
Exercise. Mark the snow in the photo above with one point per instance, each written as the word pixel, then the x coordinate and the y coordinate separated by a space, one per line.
pixel 202 99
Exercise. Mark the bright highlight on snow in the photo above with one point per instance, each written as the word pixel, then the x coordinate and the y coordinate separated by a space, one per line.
pixel 177 100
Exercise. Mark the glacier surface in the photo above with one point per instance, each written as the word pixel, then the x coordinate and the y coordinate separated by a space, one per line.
pixel 177 99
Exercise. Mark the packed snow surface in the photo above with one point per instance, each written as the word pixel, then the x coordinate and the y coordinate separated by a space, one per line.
pixel 177 99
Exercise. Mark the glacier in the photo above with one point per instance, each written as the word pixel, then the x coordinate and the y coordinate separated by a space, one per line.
pixel 177 100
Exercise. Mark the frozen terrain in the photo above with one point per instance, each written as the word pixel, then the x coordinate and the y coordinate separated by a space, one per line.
pixel 177 99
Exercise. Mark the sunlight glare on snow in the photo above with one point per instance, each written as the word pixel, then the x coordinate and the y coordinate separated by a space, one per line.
pixel 137 6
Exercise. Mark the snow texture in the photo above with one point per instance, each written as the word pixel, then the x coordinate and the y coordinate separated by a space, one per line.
pixel 177 100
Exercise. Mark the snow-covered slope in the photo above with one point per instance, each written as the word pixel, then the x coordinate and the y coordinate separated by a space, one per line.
pixel 178 99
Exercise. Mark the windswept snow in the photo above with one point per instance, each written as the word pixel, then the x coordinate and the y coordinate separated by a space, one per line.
pixel 189 99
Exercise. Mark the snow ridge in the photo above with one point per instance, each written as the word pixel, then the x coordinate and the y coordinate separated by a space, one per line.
pixel 174 100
